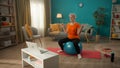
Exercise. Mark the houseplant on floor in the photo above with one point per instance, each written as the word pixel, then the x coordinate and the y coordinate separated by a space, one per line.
pixel 99 16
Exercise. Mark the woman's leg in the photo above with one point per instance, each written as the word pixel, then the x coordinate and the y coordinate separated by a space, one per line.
pixel 75 42
pixel 62 41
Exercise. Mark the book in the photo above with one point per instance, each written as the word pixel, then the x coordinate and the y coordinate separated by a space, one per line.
pixel 117 29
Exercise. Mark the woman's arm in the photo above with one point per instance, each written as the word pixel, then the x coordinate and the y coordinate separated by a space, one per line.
pixel 64 29
pixel 79 30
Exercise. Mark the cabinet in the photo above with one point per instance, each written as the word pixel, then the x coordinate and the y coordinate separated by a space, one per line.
pixel 8 34
pixel 45 60
pixel 115 22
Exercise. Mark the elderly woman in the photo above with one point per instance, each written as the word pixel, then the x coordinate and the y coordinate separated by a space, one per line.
pixel 73 29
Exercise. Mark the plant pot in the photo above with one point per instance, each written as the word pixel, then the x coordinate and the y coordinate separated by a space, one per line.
pixel 97 38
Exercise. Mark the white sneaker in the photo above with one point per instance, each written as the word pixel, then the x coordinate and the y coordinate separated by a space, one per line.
pixel 79 56
pixel 59 51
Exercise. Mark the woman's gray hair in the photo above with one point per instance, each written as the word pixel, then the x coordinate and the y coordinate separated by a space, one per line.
pixel 72 14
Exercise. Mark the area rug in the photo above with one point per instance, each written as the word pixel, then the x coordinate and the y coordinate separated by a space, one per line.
pixel 85 53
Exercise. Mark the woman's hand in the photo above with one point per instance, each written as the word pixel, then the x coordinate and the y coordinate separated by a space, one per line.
pixel 63 27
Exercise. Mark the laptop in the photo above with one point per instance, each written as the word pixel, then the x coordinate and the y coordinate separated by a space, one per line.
pixel 34 46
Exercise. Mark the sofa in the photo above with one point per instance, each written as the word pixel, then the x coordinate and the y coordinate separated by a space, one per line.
pixel 56 32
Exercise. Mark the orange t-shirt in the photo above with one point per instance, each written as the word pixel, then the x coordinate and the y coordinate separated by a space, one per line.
pixel 72 30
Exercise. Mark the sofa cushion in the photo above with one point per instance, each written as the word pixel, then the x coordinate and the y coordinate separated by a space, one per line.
pixel 54 33
pixel 28 30
pixel 55 27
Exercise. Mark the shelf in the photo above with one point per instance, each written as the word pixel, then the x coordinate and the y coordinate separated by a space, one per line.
pixel 115 4
pixel 116 18
pixel 115 22
pixel 33 63
pixel 115 11
pixel 6 15
pixel 114 32
pixel 12 44
pixel 6 5
pixel 6 36
pixel 8 32
pixel 116 38
pixel 115 25
pixel 7 26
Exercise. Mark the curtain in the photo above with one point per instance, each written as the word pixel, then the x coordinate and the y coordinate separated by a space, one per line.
pixel 25 14
pixel 22 16
pixel 47 4
pixel 38 15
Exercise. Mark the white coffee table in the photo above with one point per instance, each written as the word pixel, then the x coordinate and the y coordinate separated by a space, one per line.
pixel 46 60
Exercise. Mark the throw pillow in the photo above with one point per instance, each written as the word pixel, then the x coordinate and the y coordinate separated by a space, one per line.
pixel 55 27
pixel 28 30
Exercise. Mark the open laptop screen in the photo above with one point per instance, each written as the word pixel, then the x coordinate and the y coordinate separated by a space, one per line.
pixel 33 46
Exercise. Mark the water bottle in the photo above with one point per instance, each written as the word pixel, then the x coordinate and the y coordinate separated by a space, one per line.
pixel 112 56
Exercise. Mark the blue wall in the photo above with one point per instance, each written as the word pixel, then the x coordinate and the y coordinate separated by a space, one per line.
pixel 84 14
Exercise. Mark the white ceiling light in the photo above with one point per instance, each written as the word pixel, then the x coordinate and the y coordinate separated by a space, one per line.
pixel 81 4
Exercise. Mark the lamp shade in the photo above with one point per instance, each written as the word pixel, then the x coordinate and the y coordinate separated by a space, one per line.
pixel 59 15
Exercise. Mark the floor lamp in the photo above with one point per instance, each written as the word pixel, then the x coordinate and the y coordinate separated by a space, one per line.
pixel 59 16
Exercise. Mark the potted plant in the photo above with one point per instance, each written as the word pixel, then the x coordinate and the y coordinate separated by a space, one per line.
pixel 99 16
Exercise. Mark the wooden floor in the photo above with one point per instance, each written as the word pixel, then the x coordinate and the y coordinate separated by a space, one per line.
pixel 11 57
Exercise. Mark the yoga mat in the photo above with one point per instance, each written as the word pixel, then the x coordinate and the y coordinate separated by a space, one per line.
pixel 85 53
